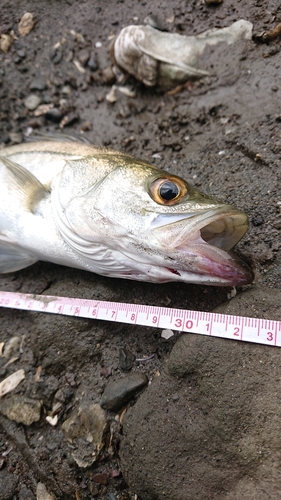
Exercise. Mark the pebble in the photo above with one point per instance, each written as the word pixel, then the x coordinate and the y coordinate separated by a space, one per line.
pixel 101 478
pixel 21 53
pixel 84 56
pixel 38 84
pixel 21 409
pixel 108 75
pixel 86 424
pixel 8 485
pixel 126 359
pixel 16 137
pixel 93 489
pixel 42 493
pixel 92 62
pixel 66 90
pixel 87 126
pixel 56 56
pixel 119 392
pixel 25 493
pixel 32 102
pixel 69 119
pixel 5 139
pixel 54 115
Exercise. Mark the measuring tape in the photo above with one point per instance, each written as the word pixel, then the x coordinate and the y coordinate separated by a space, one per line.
pixel 261 331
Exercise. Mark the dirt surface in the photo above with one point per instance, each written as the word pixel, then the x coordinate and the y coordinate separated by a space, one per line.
pixel 223 134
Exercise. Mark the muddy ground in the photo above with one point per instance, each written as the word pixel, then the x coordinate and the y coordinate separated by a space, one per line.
pixel 223 134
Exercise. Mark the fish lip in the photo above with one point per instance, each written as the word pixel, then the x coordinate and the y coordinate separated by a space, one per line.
pixel 210 257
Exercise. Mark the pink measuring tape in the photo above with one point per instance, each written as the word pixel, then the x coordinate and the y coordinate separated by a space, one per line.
pixel 261 331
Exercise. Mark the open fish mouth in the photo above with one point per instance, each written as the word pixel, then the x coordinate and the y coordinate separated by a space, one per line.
pixel 199 245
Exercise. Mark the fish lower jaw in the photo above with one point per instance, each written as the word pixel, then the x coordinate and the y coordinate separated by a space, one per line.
pixel 206 264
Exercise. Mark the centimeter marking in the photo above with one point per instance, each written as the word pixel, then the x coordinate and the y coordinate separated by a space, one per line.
pixel 261 331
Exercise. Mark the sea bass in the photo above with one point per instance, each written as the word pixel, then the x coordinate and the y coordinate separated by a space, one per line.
pixel 112 214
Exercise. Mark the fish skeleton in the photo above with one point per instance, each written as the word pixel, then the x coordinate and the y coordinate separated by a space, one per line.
pixel 109 213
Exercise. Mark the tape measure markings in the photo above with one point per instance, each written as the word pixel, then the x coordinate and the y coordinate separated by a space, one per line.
pixel 248 329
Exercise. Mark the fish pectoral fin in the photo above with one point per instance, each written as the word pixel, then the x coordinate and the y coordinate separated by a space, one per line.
pixel 13 258
pixel 28 187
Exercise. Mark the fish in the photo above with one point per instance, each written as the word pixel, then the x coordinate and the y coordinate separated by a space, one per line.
pixel 166 59
pixel 110 213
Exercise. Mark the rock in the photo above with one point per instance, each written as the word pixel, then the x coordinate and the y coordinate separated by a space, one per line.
pixel 25 493
pixel 16 137
pixel 84 56
pixel 8 485
pixel 32 102
pixel 26 24
pixel 54 115
pixel 108 75
pixel 56 55
pixel 38 84
pixel 21 409
pixel 93 489
pixel 86 428
pixel 5 43
pixel 119 392
pixel 101 478
pixel 42 493
pixel 126 359
pixel 206 411
pixel 92 62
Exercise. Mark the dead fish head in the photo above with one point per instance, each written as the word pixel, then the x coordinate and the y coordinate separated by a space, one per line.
pixel 139 222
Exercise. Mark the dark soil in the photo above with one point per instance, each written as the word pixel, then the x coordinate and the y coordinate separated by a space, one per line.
pixel 223 134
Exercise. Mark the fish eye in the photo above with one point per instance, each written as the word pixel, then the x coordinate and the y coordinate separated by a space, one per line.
pixel 167 191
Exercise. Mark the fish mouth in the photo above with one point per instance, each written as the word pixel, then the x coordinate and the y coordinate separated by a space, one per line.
pixel 199 245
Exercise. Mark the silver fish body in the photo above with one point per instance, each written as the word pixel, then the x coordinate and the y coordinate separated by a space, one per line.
pixel 112 214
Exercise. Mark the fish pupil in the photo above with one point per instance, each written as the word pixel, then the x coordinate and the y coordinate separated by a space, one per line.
pixel 168 191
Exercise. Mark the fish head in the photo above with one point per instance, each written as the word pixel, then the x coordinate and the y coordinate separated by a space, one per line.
pixel 158 227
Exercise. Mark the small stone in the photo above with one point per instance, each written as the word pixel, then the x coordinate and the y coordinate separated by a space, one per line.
pixel 56 55
pixel 5 43
pixel 85 428
pixel 38 84
pixel 5 139
pixel 25 493
pixel 84 56
pixel 92 62
pixel 101 478
pixel 108 75
pixel 16 137
pixel 69 119
pixel 87 126
pixel 42 493
pixel 54 115
pixel 106 371
pixel 93 489
pixel 26 24
pixel 126 359
pixel 167 334
pixel 66 90
pixel 21 409
pixel 21 53
pixel 32 102
pixel 257 220
pixel 119 392
pixel 8 485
